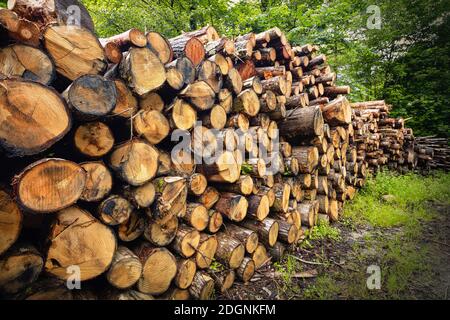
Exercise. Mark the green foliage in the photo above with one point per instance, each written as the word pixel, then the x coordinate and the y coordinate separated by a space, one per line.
pixel 3 3
pixel 323 231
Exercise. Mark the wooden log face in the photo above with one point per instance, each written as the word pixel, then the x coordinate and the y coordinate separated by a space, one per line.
pixel 94 139
pixel 137 65
pixel 186 269
pixel 152 125
pixel 74 241
pixel 161 234
pixel 132 229
pixel 206 251
pixel 127 104
pixel 27 62
pixel 126 269
pixel 115 210
pixel 10 221
pixel 160 46
pixel 50 185
pixel 32 117
pixel 98 181
pixel 75 50
pixel 183 115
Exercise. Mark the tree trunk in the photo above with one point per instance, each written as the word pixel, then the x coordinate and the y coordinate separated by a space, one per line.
pixel 98 181
pixel 186 241
pixel 160 46
pixel 248 238
pixel 161 233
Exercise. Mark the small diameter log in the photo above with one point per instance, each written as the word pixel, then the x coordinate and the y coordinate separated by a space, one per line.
pixel 74 240
pixel 307 157
pixel 152 125
pixel 209 197
pixel 75 50
pixel 160 46
pixel 135 161
pixel 224 169
pixel 127 39
pixel 196 216
pixel 282 193
pixel 191 48
pixel 206 251
pixel 19 29
pixel 221 62
pixel 238 121
pixel 216 119
pixel 248 238
pixel 338 112
pixel 159 269
pixel 202 287
pixel 186 269
pixel 47 119
pixel 243 186
pixel 183 115
pixel 253 83
pixel 171 197
pixel 131 229
pixel 19 268
pixel 323 204
pixel 113 52
pixel 270 72
pixel 210 72
pixel 135 68
pixel 29 63
pixel 151 101
pixel 230 252
pixel 277 85
pixel 98 181
pixel 233 81
pixel 125 270
pixel 215 221
pixel 115 210
pixel 199 94
pixel 267 230
pixel 186 241
pixel 197 184
pixel 260 256
pixel 10 221
pixel 302 122
pixel 233 206
pixel 287 232
pixel 247 102
pixel 333 211
pixel 49 185
pixel 246 270
pixel 161 233
pixel 93 139
pixel 308 212
pixel 185 67
pixel 277 251
pixel 140 197
pixel 91 96
pixel 223 280
pixel 127 104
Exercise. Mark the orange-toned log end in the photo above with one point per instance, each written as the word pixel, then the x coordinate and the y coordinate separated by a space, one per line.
pixel 195 51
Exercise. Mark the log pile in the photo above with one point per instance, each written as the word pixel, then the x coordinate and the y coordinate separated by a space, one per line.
pixel 103 185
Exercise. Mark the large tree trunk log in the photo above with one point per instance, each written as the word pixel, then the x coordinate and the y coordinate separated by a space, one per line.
pixel 196 216
pixel 161 233
pixel 74 240
pixel 75 51
pixel 186 241
pixel 187 46
pixel 200 94
pixel 183 115
pixel 137 65
pixel 49 185
pixel 152 125
pixel 247 102
pixel 307 157
pixel 159 269
pixel 125 270
pixel 225 169
pixel 160 46
pixel 338 112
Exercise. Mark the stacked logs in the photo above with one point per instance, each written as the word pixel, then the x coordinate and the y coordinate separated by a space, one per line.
pixel 432 153
pixel 103 191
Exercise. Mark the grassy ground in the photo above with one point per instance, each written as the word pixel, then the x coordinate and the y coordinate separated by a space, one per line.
pixel 406 235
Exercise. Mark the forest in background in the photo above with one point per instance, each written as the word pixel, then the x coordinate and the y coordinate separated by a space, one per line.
pixel 404 60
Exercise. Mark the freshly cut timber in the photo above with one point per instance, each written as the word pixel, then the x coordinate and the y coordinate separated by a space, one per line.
pixel 197 184
pixel 19 268
pixel 246 270
pixel 126 104
pixel 185 67
pixel 171 197
pixel 131 229
pixel 99 181
pixel 221 62
pixel 159 269
pixel 112 52
pixel 49 185
pixel 210 72
pixel 233 81
pixel 75 50
pixel 243 186
pixel 224 169
pixel 125 270
pixel 206 250
pixel 307 157
pixel 161 233
pixel 45 12
pixel 247 102
pixel 338 112
pixel 151 101
pixel 186 241
pixel 125 40
pixel 282 192
pixel 160 46
pixel 202 287
pixel 135 161
pixel 137 65
pixel 206 34
pixel 248 238
pixel 260 256
pixel 186 269
pixel 200 94
pixel 308 212
pixel 223 46
pixel 151 125
pixel 189 47
pixel 215 221
pixel 230 251
pixel 258 206
pixel 115 210
pixel 183 115
pixel 196 216
pixel 24 61
pixel 74 240
pixel 267 229
pixel 94 139
pixel 302 122
pixel 32 117
pixel 142 196
pixel 10 221
pixel 287 232
pixel 233 206
pixel 223 279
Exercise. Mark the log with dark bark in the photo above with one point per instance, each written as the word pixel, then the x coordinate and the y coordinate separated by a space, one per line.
pixel 302 122
pixel 230 251
pixel 246 270
pixel 248 238
pixel 189 47
pixel 267 229
pixel 202 287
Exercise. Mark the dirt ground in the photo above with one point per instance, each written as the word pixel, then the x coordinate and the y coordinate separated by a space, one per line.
pixel 338 269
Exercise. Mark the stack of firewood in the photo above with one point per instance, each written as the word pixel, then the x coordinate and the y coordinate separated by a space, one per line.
pixel 102 189
pixel 432 153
